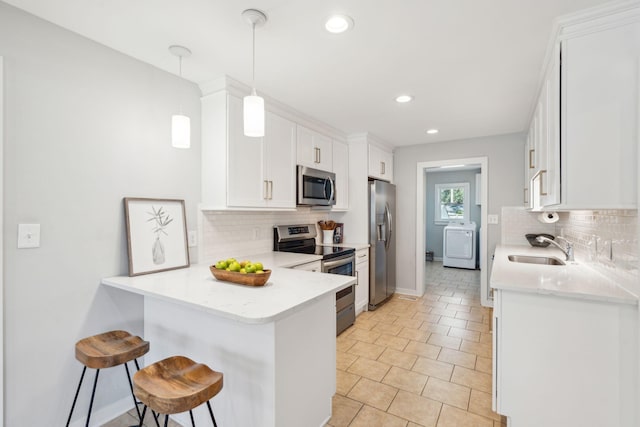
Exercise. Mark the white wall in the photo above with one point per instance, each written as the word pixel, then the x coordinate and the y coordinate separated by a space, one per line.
pixel 85 126
pixel 504 153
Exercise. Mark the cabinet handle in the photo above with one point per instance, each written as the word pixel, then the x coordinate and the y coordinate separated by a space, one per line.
pixel 316 155
pixel 531 165
pixel 542 193
pixel 362 256
pixel 270 190
pixel 265 192
pixel 382 168
pixel 526 199
pixel 357 278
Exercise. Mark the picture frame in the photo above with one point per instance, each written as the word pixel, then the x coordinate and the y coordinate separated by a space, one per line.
pixel 156 235
pixel 338 234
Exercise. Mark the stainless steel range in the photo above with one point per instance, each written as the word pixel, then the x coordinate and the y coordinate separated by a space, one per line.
pixel 302 239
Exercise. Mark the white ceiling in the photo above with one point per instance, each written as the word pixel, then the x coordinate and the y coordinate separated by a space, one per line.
pixel 472 65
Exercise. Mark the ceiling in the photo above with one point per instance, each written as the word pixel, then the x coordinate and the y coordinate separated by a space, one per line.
pixel 473 66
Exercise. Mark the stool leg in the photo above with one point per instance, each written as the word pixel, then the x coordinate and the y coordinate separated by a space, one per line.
pixel 153 413
pixel 211 413
pixel 144 412
pixel 135 401
pixel 166 420
pixel 76 396
pixel 193 424
pixel 93 394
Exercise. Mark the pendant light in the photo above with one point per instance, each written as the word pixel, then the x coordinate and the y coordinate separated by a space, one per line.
pixel 180 124
pixel 254 104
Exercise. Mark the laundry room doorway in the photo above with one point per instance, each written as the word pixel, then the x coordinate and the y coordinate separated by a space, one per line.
pixel 451 201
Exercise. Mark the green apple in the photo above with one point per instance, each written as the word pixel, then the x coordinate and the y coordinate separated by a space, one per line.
pixel 221 265
pixel 258 266
pixel 250 268
pixel 235 266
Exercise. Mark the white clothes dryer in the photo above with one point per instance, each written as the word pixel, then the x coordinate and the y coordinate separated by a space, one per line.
pixel 459 245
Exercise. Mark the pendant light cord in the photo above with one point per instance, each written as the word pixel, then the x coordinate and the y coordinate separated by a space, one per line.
pixel 253 72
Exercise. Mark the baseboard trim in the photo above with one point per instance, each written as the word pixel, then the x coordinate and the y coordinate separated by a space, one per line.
pixel 409 292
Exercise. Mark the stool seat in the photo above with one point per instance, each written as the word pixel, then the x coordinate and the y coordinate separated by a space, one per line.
pixel 176 384
pixel 109 349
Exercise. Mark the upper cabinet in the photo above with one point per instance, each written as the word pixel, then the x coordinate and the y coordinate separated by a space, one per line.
pixel 380 163
pixel 599 128
pixel 314 149
pixel 243 172
pixel 582 148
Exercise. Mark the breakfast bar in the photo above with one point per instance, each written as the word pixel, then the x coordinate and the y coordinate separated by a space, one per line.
pixel 275 344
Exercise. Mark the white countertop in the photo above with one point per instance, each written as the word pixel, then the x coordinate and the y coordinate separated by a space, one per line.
pixel 286 292
pixel 575 280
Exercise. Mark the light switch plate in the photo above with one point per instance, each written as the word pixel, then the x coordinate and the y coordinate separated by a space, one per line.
pixel 192 238
pixel 28 236
pixel 492 219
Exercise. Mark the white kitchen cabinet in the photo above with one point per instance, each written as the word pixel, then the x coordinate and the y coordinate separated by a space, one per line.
pixel 562 361
pixel 600 75
pixel 362 285
pixel 341 169
pixel 314 149
pixel 380 163
pixel 241 172
pixel 315 266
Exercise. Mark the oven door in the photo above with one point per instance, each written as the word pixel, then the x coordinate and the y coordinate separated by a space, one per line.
pixel 343 265
pixel 316 187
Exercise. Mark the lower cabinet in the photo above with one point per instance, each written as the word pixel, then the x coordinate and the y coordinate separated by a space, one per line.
pixel 564 361
pixel 362 285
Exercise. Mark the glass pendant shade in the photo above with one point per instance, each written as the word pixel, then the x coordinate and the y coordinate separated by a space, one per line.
pixel 180 131
pixel 253 115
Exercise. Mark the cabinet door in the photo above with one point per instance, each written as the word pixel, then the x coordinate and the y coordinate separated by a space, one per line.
pixel 550 172
pixel 245 166
pixel 314 149
pixel 599 142
pixel 380 163
pixel 362 273
pixel 280 162
pixel 341 169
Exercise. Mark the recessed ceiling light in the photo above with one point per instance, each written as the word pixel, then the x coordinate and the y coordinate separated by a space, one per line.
pixel 432 131
pixel 404 98
pixel 337 24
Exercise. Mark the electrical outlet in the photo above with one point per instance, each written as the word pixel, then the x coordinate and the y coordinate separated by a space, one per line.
pixel 28 236
pixel 192 238
pixel 492 219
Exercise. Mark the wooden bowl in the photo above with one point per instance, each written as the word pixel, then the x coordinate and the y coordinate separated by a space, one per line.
pixel 249 279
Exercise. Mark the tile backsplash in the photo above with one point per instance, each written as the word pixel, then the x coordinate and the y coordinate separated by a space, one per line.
pixel 607 240
pixel 239 233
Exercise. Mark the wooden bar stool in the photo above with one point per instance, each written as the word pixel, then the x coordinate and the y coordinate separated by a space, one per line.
pixel 176 384
pixel 104 351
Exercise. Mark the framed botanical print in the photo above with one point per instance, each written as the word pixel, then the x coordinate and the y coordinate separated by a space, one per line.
pixel 156 235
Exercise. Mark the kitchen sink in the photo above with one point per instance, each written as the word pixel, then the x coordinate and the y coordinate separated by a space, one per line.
pixel 536 260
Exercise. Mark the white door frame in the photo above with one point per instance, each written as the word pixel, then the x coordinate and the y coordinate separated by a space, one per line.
pixel 421 221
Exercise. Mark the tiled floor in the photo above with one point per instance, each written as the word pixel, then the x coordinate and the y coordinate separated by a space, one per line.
pixel 131 419
pixel 414 361
pixel 419 361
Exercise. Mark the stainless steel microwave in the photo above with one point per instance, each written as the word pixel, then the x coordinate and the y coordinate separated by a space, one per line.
pixel 316 187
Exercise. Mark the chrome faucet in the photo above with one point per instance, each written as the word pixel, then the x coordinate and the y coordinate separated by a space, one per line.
pixel 567 250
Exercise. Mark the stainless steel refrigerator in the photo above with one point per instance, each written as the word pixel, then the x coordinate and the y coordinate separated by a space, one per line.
pixel 382 238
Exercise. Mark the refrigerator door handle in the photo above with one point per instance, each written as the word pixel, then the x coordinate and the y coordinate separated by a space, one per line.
pixel 379 232
pixel 389 223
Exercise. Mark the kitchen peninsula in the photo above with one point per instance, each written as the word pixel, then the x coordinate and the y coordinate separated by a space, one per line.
pixel 275 344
